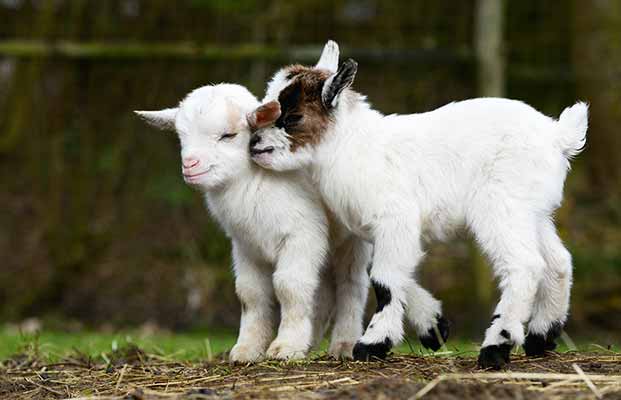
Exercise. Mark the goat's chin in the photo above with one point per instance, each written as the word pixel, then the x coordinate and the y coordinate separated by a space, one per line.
pixel 263 160
pixel 205 183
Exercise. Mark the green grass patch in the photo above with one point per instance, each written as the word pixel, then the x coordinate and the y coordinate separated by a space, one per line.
pixel 193 346
pixel 53 345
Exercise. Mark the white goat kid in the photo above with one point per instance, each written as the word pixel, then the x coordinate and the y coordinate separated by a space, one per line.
pixel 279 232
pixel 496 166
pixel 424 311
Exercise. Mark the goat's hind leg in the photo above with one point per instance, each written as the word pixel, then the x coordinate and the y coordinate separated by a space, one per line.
pixel 552 300
pixel 518 264
pixel 425 315
pixel 325 299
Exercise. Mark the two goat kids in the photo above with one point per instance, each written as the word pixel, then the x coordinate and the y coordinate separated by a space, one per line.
pixel 496 166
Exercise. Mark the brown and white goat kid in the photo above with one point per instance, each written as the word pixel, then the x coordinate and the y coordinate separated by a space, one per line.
pixel 282 248
pixel 496 166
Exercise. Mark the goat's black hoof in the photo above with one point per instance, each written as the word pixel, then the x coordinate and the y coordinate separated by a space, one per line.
pixel 536 345
pixel 430 340
pixel 494 357
pixel 366 352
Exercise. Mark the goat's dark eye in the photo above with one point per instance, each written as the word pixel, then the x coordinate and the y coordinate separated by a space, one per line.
pixel 228 136
pixel 292 119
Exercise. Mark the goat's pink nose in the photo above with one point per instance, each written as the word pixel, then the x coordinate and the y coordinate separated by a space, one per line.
pixel 190 162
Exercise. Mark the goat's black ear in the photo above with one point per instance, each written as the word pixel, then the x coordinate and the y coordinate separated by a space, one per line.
pixel 338 82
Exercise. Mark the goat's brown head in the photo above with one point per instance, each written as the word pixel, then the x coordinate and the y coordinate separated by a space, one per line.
pixel 298 110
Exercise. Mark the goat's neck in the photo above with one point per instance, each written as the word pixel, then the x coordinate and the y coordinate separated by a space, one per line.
pixel 235 192
pixel 340 161
pixel 356 127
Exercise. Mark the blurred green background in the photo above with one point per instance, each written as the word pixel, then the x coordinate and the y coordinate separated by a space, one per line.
pixel 98 230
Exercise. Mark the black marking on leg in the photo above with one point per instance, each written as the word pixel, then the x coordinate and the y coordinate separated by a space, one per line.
pixel 555 331
pixel 382 294
pixel 494 357
pixel 536 344
pixel 430 340
pixel 495 317
pixel 366 352
pixel 505 334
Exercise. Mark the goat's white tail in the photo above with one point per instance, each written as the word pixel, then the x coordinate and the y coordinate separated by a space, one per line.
pixel 573 124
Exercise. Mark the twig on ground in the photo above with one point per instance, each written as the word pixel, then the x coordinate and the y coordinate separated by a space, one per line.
pixel 588 381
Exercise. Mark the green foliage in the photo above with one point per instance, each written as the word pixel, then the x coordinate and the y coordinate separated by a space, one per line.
pixel 228 6
pixel 169 188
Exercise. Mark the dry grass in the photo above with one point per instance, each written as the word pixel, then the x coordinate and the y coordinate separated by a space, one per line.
pixel 130 373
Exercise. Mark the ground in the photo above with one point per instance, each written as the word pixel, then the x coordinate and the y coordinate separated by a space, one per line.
pixel 129 372
pixel 132 374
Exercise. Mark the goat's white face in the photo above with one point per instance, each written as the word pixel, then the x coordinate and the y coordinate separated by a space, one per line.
pixel 213 132
pixel 297 111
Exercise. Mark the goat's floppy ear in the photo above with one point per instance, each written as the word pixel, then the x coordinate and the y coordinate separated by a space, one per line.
pixel 329 59
pixel 163 119
pixel 264 115
pixel 338 82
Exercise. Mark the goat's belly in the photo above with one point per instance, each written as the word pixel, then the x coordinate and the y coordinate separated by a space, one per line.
pixel 350 220
pixel 441 225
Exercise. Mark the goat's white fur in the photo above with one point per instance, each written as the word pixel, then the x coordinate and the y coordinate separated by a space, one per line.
pixel 279 232
pixel 423 308
pixel 329 59
pixel 497 166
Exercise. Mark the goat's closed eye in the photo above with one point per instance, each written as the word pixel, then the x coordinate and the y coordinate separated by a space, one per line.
pixel 228 136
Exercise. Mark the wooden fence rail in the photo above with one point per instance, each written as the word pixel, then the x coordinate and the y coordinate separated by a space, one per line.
pixel 188 51
pixel 196 51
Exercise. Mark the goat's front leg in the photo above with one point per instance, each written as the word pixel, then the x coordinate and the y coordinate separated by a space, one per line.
pixel 397 253
pixel 352 287
pixel 253 284
pixel 296 280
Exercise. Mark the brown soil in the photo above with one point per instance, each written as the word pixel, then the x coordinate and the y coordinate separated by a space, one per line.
pixel 132 374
